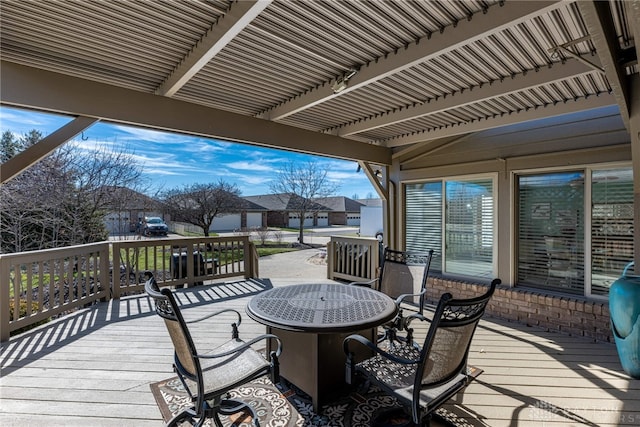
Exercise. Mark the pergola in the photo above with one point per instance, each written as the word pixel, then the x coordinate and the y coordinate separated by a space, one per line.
pixel 386 83
pixel 414 90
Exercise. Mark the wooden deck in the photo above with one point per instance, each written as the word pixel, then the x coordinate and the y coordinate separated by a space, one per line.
pixel 94 367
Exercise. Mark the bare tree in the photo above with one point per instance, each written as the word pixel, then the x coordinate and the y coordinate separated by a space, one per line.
pixel 297 184
pixel 199 204
pixel 60 200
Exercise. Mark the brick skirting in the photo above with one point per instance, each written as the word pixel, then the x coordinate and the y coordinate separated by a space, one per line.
pixel 565 314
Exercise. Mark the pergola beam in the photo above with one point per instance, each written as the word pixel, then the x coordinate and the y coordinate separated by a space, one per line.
pixel 480 26
pixel 602 100
pixel 516 83
pixel 32 154
pixel 225 29
pixel 597 16
pixel 27 87
pixel 375 180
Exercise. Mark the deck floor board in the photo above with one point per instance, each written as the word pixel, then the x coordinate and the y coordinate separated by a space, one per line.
pixel 94 367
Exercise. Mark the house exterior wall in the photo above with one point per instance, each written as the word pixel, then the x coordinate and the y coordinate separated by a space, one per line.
pixel 337 218
pixel 277 219
pixel 505 171
pixel 504 155
pixel 569 315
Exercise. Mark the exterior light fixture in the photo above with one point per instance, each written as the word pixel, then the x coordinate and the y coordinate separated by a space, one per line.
pixel 342 83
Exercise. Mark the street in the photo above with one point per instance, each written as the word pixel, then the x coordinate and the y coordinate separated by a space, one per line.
pixel 312 236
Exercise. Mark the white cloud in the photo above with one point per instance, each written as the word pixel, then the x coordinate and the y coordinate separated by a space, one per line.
pixel 173 160
pixel 249 166
pixel 255 179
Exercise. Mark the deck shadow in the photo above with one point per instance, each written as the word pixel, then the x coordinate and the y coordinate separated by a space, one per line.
pixel 31 345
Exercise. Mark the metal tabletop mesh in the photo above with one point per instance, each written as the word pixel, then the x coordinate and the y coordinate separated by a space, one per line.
pixel 321 306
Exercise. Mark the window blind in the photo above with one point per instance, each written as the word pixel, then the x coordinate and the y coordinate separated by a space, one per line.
pixel 423 220
pixel 550 231
pixel 611 226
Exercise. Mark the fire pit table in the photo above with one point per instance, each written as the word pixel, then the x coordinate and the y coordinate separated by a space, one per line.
pixel 312 320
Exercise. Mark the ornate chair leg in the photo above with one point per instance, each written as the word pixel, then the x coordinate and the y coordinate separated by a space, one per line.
pixel 231 406
pixel 180 417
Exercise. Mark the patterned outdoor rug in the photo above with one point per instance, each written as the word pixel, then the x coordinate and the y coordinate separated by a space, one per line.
pixel 285 405
pixel 275 404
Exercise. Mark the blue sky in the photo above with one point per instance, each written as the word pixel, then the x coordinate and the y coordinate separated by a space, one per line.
pixel 170 160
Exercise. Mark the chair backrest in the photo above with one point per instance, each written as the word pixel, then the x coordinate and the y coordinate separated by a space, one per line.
pixel 446 346
pixel 405 272
pixel 185 350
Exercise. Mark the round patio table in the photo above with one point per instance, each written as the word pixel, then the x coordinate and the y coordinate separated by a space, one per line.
pixel 312 320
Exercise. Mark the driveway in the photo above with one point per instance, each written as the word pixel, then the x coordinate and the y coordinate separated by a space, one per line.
pixel 304 264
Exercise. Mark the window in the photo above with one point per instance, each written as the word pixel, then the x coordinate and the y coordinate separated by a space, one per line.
pixel 423 219
pixel 611 226
pixel 463 226
pixel 551 230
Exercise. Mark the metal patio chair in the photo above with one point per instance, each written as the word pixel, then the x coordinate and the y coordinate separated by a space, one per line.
pixel 424 378
pixel 403 277
pixel 208 377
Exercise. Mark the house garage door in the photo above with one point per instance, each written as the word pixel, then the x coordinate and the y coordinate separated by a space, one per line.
pixel 353 219
pixel 294 221
pixel 116 223
pixel 226 222
pixel 323 219
pixel 254 220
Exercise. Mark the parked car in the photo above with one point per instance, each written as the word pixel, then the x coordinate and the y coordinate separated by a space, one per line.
pixel 155 226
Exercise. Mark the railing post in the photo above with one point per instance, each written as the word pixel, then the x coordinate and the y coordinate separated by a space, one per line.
pixel 251 269
pixel 374 250
pixel 191 270
pixel 115 272
pixel 330 259
pixel 104 272
pixel 5 283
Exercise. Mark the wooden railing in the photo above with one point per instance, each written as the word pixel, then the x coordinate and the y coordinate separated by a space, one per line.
pixel 39 285
pixel 180 262
pixel 352 259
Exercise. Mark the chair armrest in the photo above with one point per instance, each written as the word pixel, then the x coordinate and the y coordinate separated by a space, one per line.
pixel 364 283
pixel 410 318
pixel 364 341
pixel 401 297
pixel 226 310
pixel 244 346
